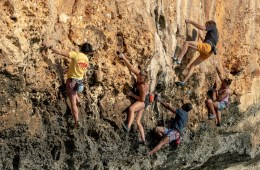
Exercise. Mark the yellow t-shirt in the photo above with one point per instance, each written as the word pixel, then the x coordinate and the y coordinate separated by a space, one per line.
pixel 78 65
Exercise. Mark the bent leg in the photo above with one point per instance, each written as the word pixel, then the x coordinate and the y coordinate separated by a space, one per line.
pixel 163 142
pixel 132 109
pixel 140 126
pixel 193 65
pixel 192 44
pixel 210 105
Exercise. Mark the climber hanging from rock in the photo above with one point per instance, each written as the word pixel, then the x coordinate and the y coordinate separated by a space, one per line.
pixel 220 98
pixel 140 94
pixel 174 133
pixel 205 48
pixel 77 69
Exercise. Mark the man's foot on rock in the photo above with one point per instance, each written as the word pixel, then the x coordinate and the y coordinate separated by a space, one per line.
pixel 77 125
pixel 125 127
pixel 211 116
pixel 218 124
pixel 180 83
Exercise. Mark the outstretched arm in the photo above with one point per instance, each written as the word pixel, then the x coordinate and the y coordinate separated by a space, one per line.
pixel 201 27
pixel 64 53
pixel 128 64
pixel 219 74
pixel 166 105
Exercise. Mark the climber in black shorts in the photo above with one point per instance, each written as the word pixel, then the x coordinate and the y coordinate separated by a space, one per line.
pixel 140 94
pixel 137 92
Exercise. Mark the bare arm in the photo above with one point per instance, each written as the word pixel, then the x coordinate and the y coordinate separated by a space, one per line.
pixel 166 105
pixel 129 65
pixel 63 53
pixel 219 74
pixel 201 27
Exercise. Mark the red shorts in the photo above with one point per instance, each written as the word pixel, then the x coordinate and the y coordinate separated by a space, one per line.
pixel 71 87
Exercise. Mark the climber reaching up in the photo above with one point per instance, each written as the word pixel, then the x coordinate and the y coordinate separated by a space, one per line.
pixel 140 94
pixel 171 134
pixel 77 69
pixel 221 100
pixel 205 48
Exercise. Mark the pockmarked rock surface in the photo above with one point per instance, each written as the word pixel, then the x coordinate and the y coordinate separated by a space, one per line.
pixel 36 124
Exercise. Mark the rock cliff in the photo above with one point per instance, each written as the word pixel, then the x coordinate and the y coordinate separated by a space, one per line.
pixel 36 124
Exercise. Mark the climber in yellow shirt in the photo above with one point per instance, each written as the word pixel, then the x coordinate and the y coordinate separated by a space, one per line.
pixel 77 69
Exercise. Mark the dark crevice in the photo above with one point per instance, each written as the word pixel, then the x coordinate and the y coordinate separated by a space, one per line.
pixel 56 152
pixel 16 162
pixel 162 22
pixel 112 123
pixel 94 134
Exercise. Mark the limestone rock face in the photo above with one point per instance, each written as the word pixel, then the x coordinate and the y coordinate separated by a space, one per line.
pixel 35 117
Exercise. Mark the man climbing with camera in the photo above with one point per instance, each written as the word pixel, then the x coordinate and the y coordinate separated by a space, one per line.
pixel 205 48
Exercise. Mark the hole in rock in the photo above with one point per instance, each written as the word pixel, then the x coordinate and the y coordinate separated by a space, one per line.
pixel 14 18
pixel 16 162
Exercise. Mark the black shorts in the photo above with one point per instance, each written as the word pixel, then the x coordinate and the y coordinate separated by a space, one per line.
pixel 146 101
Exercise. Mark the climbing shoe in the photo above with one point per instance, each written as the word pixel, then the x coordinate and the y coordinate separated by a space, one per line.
pixel 180 83
pixel 126 129
pixel 178 62
pixel 175 59
pixel 77 125
pixel 211 116
pixel 218 124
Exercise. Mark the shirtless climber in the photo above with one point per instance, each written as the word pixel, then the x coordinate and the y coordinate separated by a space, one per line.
pixel 221 99
pixel 205 48
pixel 77 69
pixel 171 134
pixel 141 96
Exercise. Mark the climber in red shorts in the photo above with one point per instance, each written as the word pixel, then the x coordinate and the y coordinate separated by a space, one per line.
pixel 77 69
